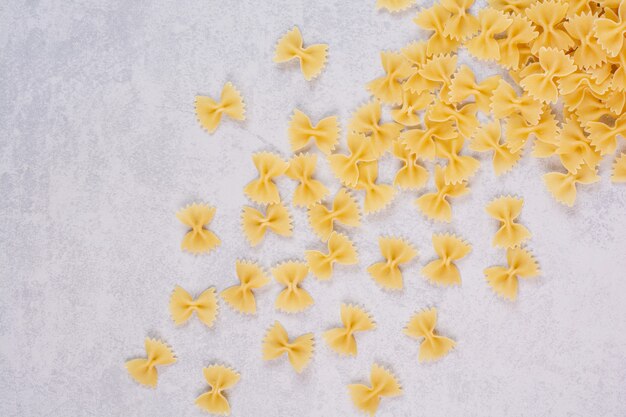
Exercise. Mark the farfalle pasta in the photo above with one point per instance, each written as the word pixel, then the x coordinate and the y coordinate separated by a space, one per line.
pixel 312 58
pixel 422 326
pixel 435 205
pixel 485 45
pixel 435 73
pixel 506 209
pixel 488 139
pixel 292 298
pixel 394 5
pixel 411 176
pixel 434 19
pixel 309 191
pixel 209 112
pixel 423 141
pixel 463 116
pixel 604 137
pixel 367 120
pixel 396 251
pixel 377 196
pixel 340 250
pixel 354 319
pixel 199 239
pixel 515 44
pixel 346 167
pixel 610 31
pixel 219 378
pixel 562 186
pixel 588 53
pixel 443 271
pixel 144 370
pixel 383 384
pixel 461 24
pixel 263 190
pixel 255 224
pixel 504 280
pixel 547 17
pixel 553 65
pixel 276 343
pixel 182 306
pixel 574 147
pixel 505 102
pixel 388 88
pixel 345 211
pixel 619 169
pixel 407 115
pixel 325 134
pixel 464 85
pixel 460 168
pixel 241 297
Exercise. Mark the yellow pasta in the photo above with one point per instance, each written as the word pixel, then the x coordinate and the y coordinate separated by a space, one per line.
pixel 394 5
pixel 505 102
pixel 574 147
pixel 443 271
pixel 312 58
pixel 460 25
pixel 411 176
pixel 366 120
pixel 463 116
pixel 554 65
pixel 547 16
pixel 435 205
pixel 263 190
pixel 354 319
pixel 434 19
pixel 308 191
pixel 388 89
pixel 588 53
pixel 255 224
pixel 198 239
pixel 382 384
pixel 506 210
pixel 406 115
pixel 546 131
pixel 241 297
pixel 563 186
pixel 423 141
pixel 340 250
pixel 182 306
pixel 209 112
pixel 299 351
pixel 604 137
pixel 485 45
pixel 396 252
pixel 487 139
pixel 435 74
pixel 377 196
pixel 143 370
pixel 459 168
pixel 511 6
pixel 610 31
pixel 515 45
pixel 293 298
pixel 219 378
pixel 464 85
pixel 417 53
pixel 619 169
pixel 422 326
pixel 301 131
pixel 345 210
pixel 345 167
pixel 503 280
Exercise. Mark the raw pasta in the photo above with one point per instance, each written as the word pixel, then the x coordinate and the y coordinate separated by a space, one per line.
pixel 435 205
pixel 422 326
pixel 301 131
pixel 345 167
pixel 255 224
pixel 377 196
pixel 487 139
pixel 292 298
pixel 199 239
pixel 263 190
pixel 354 319
pixel 388 88
pixel 394 5
pixel 443 271
pixel 506 210
pixel 209 112
pixel 563 185
pixel 345 210
pixel 340 250
pixel 503 280
pixel 383 383
pixel 309 191
pixel 366 120
pixel 411 176
pixel 299 351
pixel 619 169
pixel 219 378
pixel 312 58
pixel 182 306
pixel 241 297
pixel 396 251
pixel 143 370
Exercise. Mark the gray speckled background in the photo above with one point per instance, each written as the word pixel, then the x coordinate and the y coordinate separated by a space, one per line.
pixel 99 147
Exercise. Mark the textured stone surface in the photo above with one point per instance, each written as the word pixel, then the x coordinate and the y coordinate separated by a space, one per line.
pixel 99 147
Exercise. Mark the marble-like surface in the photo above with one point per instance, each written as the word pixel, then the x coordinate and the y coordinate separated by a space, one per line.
pixel 99 147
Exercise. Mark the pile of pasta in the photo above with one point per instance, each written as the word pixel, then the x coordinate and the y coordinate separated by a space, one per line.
pixel 565 98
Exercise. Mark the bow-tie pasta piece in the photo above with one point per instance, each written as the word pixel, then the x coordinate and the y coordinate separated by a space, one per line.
pixel 219 378
pixel 276 343
pixel 308 191
pixel 604 137
pixel 443 271
pixel 515 45
pixel 422 325
pixel 340 250
pixel 619 169
pixel 588 53
pixel 144 370
pixel 406 114
pixel 255 224
pixel 395 251
pixel 366 120
pixel 435 74
pixel 554 64
pixel 487 139
pixel 416 53
pixel 464 85
pixel 546 131
pixel 510 6
pixel 382 384
pixel 505 102
pixel 503 280
pixel 209 112
pixel 241 297
pixel 423 141
pixel 293 298
pixel 547 17
pixel 301 131
pixel 435 205
pixel 354 319
pixel 263 190
pixel 461 25
pixel 485 45
pixel 574 147
pixel 198 239
pixel 610 31
pixel 394 5
pixel 182 306
pixel 377 196
pixel 345 211
pixel 434 19
pixel 345 167
pixel 562 186
pixel 460 168
pixel 312 58
pixel 464 116
pixel 506 210
pixel 412 176
pixel 388 89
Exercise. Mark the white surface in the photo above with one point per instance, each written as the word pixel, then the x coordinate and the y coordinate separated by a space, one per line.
pixel 100 147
